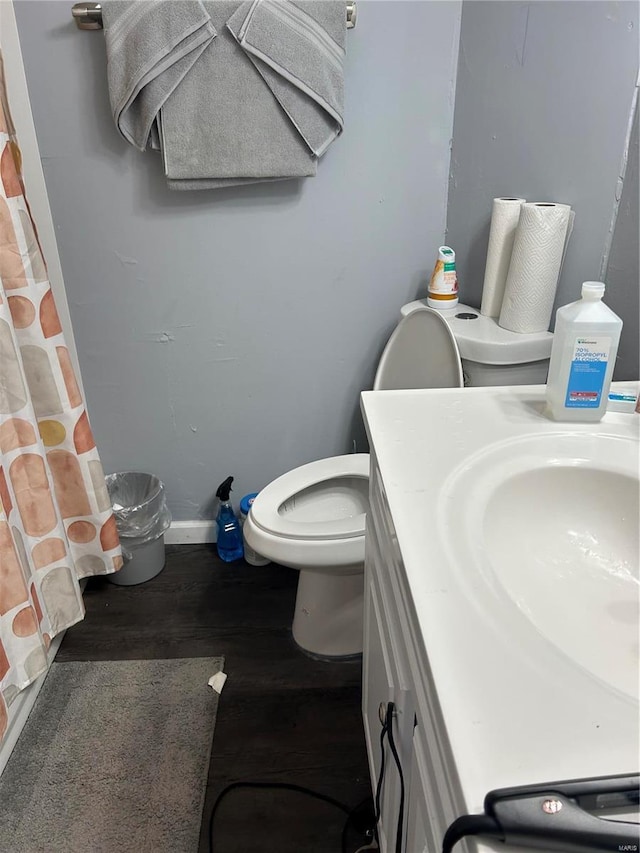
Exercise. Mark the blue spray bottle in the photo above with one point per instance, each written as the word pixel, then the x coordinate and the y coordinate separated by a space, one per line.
pixel 229 531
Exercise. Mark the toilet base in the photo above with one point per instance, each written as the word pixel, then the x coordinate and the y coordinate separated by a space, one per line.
pixel 329 658
pixel 327 622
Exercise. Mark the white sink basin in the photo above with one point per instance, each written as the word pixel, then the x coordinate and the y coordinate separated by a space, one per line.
pixel 551 523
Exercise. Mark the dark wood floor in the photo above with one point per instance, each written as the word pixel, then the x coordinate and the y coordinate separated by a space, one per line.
pixel 282 717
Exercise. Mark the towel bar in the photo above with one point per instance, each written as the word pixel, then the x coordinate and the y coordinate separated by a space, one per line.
pixel 88 16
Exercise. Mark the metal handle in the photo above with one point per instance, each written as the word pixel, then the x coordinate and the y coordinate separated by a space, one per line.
pixel 88 16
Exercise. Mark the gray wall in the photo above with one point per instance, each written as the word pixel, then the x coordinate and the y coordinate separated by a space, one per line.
pixel 543 100
pixel 623 273
pixel 230 332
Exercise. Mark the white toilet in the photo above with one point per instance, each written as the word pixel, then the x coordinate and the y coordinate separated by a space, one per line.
pixel 313 518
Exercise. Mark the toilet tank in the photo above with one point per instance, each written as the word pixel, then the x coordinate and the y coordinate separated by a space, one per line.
pixel 492 355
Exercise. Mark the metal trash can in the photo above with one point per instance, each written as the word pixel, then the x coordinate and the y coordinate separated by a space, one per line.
pixel 141 513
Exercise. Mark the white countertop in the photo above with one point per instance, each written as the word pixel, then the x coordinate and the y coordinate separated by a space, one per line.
pixel 516 710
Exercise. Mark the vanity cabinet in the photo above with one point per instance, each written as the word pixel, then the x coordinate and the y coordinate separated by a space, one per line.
pixel 495 625
pixel 392 673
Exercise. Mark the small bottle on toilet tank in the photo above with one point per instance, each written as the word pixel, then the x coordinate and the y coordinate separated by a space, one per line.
pixel 443 286
pixel 583 355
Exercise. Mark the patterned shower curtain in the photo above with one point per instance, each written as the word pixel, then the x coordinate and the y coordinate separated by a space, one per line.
pixel 56 524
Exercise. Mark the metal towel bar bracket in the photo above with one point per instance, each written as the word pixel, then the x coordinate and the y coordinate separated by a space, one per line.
pixel 88 16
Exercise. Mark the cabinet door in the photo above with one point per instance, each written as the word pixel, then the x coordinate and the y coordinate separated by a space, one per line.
pixel 377 688
pixel 383 682
pixel 420 836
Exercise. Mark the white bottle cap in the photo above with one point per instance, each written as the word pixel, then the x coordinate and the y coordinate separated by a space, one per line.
pixel 593 289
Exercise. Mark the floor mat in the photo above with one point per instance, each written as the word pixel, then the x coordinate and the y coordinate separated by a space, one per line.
pixel 114 757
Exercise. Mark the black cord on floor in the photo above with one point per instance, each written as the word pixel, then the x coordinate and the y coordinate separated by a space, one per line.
pixel 461 827
pixel 286 786
pixel 386 731
pixel 365 825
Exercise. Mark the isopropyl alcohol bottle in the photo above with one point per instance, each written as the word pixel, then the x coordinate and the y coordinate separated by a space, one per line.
pixel 585 343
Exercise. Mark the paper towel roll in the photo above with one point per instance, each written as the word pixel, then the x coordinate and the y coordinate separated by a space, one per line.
pixel 504 220
pixel 536 261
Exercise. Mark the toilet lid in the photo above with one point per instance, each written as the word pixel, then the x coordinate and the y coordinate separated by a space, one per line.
pixel 421 353
pixel 338 509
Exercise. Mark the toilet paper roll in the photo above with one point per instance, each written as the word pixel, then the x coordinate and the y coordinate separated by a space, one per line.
pixel 504 221
pixel 536 260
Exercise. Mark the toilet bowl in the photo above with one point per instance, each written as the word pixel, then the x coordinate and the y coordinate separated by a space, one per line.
pixel 313 518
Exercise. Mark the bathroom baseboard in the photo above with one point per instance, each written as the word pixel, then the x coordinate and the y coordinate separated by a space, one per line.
pixel 190 532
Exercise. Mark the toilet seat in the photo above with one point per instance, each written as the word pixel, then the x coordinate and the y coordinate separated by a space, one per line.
pixel 339 501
